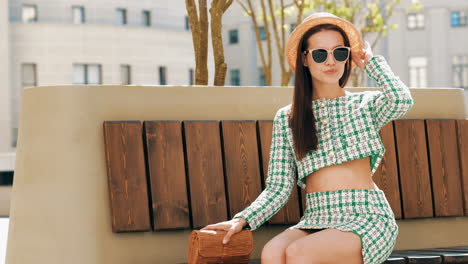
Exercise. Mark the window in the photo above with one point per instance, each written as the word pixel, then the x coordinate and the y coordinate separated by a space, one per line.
pixel 262 33
pixel 460 71
pixel 29 13
pixel 78 14
pixel 191 77
pixel 28 79
pixel 187 23
pixel 415 21
pixel 28 75
pixel 261 77
pixel 418 71
pixel 125 74
pixel 87 74
pixel 458 19
pixel 233 36
pixel 235 77
pixel 162 75
pixel 121 16
pixel 6 178
pixel 146 18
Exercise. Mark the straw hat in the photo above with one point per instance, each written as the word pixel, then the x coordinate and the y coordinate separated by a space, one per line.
pixel 354 35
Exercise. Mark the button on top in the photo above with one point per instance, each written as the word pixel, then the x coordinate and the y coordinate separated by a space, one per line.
pixel 325 121
pixel 331 153
pixel 322 104
pixel 327 136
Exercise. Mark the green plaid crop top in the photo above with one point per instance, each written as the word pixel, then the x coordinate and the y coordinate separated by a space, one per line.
pixel 347 128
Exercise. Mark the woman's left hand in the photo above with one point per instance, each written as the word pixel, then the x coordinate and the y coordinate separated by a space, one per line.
pixel 366 54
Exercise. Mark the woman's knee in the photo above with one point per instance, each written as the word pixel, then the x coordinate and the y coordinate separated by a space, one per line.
pixel 274 249
pixel 294 253
pixel 292 250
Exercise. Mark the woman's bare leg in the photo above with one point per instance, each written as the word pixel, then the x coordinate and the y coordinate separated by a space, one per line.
pixel 274 251
pixel 327 246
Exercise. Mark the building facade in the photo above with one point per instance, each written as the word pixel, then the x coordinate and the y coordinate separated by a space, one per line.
pixel 427 50
pixel 57 42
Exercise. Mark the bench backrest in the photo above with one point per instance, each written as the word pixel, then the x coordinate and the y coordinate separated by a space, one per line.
pixel 188 174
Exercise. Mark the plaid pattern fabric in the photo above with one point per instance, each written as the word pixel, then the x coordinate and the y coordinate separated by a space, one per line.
pixel 347 128
pixel 366 213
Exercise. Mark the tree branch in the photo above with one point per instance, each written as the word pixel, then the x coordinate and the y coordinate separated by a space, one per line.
pixel 227 4
pixel 244 7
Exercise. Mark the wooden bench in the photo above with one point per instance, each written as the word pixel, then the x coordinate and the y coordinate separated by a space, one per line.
pixel 166 175
pixel 431 255
pixel 59 205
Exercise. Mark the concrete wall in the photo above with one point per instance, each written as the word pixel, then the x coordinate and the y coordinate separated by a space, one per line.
pixel 55 47
pixel 4 76
pixel 60 203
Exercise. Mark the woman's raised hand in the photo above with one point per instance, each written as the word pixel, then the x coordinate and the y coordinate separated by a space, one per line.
pixel 232 227
pixel 366 54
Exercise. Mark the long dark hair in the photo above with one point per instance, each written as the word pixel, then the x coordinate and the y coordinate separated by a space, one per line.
pixel 301 119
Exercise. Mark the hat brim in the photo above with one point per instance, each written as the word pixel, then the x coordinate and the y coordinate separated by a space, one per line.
pixel 353 34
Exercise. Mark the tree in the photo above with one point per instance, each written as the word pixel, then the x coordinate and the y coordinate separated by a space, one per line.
pixel 371 17
pixel 279 28
pixel 198 20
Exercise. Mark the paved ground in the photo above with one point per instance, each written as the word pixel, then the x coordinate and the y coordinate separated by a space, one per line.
pixel 4 221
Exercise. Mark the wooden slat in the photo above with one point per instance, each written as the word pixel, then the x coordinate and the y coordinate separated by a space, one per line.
pixel 415 258
pixel 445 167
pixel 462 142
pixel 205 171
pixel 126 176
pixel 446 256
pixel 242 165
pixel 386 175
pixel 165 153
pixel 290 213
pixel 395 260
pixel 413 169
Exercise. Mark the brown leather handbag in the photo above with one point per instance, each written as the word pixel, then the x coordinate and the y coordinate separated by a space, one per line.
pixel 206 247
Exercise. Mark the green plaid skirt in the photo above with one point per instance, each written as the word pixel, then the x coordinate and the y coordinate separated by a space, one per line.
pixel 366 213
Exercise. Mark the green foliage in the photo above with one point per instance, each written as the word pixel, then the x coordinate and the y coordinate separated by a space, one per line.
pixel 415 7
pixel 366 15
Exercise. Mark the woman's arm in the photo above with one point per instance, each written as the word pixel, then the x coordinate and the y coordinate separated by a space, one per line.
pixel 280 179
pixel 395 99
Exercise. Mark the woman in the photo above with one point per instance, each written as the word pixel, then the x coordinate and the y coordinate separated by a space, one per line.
pixel 329 138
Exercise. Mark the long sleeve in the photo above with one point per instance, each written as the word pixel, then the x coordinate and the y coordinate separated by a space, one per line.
pixel 280 178
pixel 395 99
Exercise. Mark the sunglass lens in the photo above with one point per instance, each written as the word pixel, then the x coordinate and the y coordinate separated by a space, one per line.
pixel 319 55
pixel 341 54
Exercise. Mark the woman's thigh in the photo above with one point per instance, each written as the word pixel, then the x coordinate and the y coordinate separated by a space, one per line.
pixel 328 246
pixel 274 250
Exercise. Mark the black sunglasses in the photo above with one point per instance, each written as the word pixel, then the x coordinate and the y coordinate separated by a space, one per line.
pixel 320 55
